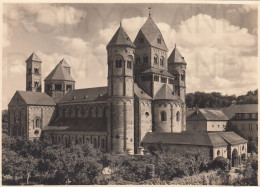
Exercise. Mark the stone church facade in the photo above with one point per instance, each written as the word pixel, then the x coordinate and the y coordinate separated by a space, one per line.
pixel 143 102
pixel 141 96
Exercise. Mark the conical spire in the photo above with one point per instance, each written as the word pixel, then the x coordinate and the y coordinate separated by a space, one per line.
pixel 64 63
pixel 176 56
pixel 33 57
pixel 120 38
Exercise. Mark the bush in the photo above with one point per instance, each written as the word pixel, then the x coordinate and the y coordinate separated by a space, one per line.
pixel 219 163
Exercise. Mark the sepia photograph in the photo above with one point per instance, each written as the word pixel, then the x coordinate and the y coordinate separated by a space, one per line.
pixel 137 93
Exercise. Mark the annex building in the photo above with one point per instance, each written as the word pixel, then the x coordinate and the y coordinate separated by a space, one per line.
pixel 144 98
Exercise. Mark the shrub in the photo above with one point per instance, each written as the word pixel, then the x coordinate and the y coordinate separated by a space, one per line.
pixel 219 163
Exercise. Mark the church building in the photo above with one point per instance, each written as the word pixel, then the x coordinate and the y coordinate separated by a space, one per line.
pixel 144 98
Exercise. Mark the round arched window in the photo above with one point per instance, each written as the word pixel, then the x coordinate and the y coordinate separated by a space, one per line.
pixel 243 148
pixel 218 153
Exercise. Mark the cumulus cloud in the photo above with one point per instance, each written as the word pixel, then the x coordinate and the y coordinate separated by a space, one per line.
pixel 31 16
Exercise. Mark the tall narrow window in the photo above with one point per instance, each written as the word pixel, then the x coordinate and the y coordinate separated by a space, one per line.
pixel 57 86
pixel 36 71
pixel 178 116
pixel 102 143
pixel 68 87
pixel 138 60
pixel 161 61
pixel 163 116
pixel 95 142
pixel 155 58
pixel 164 79
pixel 145 59
pixel 36 83
pixel 129 64
pixel 118 63
pixel 156 78
pixel 37 123
pixel 159 39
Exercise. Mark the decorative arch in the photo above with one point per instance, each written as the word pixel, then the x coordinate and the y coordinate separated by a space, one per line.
pixel 163 116
pixel 161 61
pixel 234 158
pixel 155 59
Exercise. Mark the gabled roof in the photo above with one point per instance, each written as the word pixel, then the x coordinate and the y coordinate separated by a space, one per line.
pixel 185 138
pixel 140 93
pixel 158 71
pixel 167 93
pixel 120 38
pixel 176 57
pixel 59 73
pixel 232 138
pixel 65 63
pixel 244 108
pixel 33 57
pixel 207 114
pixel 78 124
pixel 35 98
pixel 151 33
pixel 84 95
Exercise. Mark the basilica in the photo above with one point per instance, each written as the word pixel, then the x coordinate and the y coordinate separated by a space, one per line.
pixel 145 92
pixel 143 102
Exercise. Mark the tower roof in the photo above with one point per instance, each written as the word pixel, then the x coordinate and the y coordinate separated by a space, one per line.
pixel 176 57
pixel 120 38
pixel 151 33
pixel 33 57
pixel 59 73
pixel 166 93
pixel 65 63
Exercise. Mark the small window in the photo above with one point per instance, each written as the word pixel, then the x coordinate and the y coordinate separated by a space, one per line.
pixel 250 127
pixel 146 114
pixel 138 60
pixel 68 87
pixel 171 81
pixel 250 138
pixel 155 58
pixel 95 143
pixel 161 61
pixel 164 79
pixel 182 77
pixel 145 59
pixel 36 84
pixel 218 126
pixel 57 86
pixel 118 63
pixel 117 136
pixel 36 132
pixel 129 64
pixel 218 153
pixel 178 116
pixel 243 148
pixel 36 71
pixel 212 126
pixel 37 123
pixel 156 78
pixel 163 116
pixel 29 84
pixel 159 39
pixel 141 40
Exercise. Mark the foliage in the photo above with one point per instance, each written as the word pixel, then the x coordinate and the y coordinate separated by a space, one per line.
pixel 217 100
pixel 219 163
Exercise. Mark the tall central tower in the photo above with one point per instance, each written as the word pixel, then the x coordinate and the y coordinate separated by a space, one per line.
pixel 120 117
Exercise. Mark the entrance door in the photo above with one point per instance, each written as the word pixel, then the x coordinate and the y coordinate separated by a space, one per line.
pixel 234 158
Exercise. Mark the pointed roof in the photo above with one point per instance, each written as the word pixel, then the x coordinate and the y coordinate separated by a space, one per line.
pixel 65 63
pixel 176 57
pixel 151 33
pixel 140 93
pixel 207 114
pixel 167 93
pixel 33 57
pixel 59 73
pixel 120 38
pixel 33 98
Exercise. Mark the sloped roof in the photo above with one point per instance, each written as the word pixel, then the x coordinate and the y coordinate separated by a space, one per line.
pixel 185 138
pixel 151 33
pixel 167 93
pixel 140 93
pixel 207 114
pixel 59 73
pixel 33 57
pixel 158 71
pixel 120 38
pixel 78 124
pixel 232 138
pixel 244 108
pixel 35 98
pixel 65 63
pixel 176 57
pixel 84 95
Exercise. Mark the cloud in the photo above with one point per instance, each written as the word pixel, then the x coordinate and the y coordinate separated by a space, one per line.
pixel 31 17
pixel 6 35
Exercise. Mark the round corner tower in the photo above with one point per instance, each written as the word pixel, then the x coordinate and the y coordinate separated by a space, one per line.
pixel 120 51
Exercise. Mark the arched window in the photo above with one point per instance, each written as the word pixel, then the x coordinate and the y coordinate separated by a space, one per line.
pixel 178 116
pixel 77 112
pixel 159 39
pixel 161 61
pixel 102 143
pixel 218 153
pixel 155 58
pixel 95 142
pixel 17 116
pixel 37 122
pixel 163 116
pixel 64 112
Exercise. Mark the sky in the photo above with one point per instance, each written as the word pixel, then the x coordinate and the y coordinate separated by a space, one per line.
pixel 218 41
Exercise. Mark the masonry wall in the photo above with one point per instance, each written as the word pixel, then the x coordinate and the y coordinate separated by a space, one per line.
pixel 196 125
pixel 216 125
